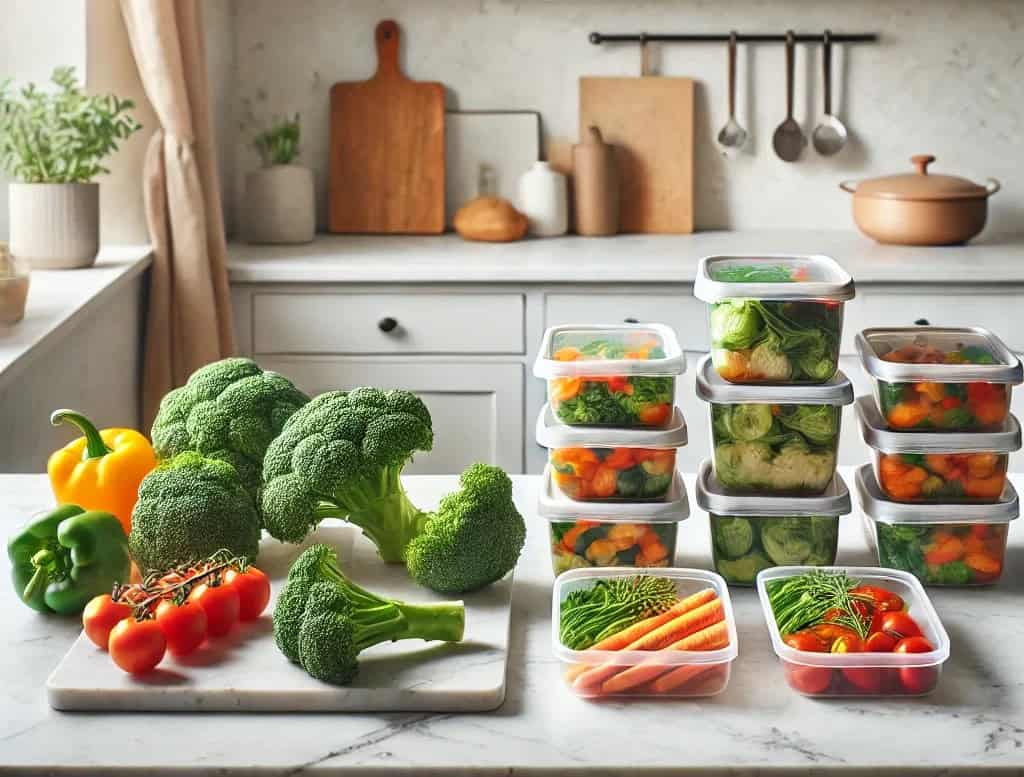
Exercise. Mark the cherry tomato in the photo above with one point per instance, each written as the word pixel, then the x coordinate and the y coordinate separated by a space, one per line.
pixel 918 679
pixel 880 642
pixel 900 625
pixel 221 604
pixel 865 681
pixel 810 680
pixel 137 646
pixel 917 644
pixel 100 615
pixel 806 640
pixel 253 588
pixel 183 625
pixel 655 415
pixel 830 632
pixel 847 643
pixel 884 600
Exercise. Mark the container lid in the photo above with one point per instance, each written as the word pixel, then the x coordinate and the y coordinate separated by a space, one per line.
pixel 574 350
pixel 711 387
pixel 921 185
pixel 938 355
pixel 875 505
pixel 875 433
pixel 772 277
pixel 553 434
pixel 713 497
pixel 556 506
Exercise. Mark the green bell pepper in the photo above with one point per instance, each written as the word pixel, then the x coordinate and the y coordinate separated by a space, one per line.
pixel 63 559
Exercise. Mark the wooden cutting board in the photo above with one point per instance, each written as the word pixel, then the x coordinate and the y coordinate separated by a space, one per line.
pixel 387 149
pixel 650 121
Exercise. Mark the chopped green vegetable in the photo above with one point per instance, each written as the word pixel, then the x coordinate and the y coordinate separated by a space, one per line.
pixel 742 570
pixel 742 547
pixel 733 537
pixel 588 615
pixel 754 273
pixel 801 601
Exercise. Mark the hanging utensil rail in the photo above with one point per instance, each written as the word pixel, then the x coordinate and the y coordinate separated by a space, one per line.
pixel 597 38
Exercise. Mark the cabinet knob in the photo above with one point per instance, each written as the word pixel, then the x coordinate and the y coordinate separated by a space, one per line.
pixel 387 324
pixel 630 320
pixel 922 322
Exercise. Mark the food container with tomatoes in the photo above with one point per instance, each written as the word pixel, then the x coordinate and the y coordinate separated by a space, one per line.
pixel 940 379
pixel 600 463
pixel 853 631
pixel 753 533
pixel 774 439
pixel 681 649
pixel 941 544
pixel 947 467
pixel 620 375
pixel 774 319
pixel 612 534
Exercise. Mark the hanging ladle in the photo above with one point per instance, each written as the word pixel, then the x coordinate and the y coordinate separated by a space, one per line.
pixel 732 136
pixel 789 139
pixel 830 134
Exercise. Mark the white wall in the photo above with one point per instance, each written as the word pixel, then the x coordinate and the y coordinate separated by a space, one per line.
pixel 946 79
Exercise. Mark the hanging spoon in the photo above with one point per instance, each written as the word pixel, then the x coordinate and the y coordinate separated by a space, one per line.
pixel 830 134
pixel 789 139
pixel 732 136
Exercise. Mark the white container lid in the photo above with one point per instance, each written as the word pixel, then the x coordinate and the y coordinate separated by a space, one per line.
pixel 553 434
pixel 873 344
pixel 628 336
pixel 553 505
pixel 876 434
pixel 772 277
pixel 711 387
pixel 713 497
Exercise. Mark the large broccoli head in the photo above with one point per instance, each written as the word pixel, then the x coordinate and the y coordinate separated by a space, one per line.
pixel 228 410
pixel 188 509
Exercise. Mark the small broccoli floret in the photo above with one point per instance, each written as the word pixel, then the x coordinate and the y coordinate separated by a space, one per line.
pixel 228 410
pixel 189 508
pixel 322 620
pixel 474 538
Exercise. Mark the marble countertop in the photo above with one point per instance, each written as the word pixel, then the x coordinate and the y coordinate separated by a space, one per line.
pixel 620 259
pixel 974 720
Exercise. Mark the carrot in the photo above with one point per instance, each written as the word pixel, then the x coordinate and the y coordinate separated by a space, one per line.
pixel 680 676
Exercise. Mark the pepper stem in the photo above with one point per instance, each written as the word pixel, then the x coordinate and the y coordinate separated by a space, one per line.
pixel 44 562
pixel 95 448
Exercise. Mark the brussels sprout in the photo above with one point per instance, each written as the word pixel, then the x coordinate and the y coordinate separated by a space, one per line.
pixel 735 324
pixel 750 422
pixel 786 540
pixel 742 570
pixel 732 536
pixel 818 423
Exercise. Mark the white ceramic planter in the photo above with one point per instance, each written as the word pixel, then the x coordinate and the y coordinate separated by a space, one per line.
pixel 279 205
pixel 55 226
pixel 544 198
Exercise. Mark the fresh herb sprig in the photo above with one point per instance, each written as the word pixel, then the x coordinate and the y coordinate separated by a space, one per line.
pixel 589 615
pixel 279 144
pixel 802 601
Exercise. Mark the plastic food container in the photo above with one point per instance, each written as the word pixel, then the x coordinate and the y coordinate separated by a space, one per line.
pixel 946 467
pixel 752 533
pixel 774 319
pixel 952 545
pixel 774 439
pixel 935 379
pixel 621 375
pixel 695 672
pixel 601 464
pixel 612 534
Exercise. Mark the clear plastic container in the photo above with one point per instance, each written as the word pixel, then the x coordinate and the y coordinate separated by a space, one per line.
pixel 621 375
pixel 666 673
pixel 774 319
pixel 612 534
pixel 823 675
pixel 949 545
pixel 939 379
pixel 947 467
pixel 752 533
pixel 594 464
pixel 774 439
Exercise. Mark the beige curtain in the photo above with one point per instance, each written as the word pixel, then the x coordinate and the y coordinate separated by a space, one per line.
pixel 189 317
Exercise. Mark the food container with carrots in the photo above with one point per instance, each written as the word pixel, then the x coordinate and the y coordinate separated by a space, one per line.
pixel 942 467
pixel 620 375
pixel 602 463
pixel 940 379
pixel 612 534
pixel 853 631
pixel 666 633
pixel 941 544
pixel 774 319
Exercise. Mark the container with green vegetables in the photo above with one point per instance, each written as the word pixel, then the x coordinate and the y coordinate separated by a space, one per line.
pixel 752 533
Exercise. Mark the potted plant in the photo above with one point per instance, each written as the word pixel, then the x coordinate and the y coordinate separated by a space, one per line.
pixel 53 144
pixel 279 198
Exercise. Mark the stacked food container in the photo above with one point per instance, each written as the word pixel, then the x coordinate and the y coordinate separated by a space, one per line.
pixel 775 398
pixel 936 499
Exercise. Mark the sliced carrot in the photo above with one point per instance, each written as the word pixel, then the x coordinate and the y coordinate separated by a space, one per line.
pixel 951 549
pixel 680 676
pixel 563 389
pixel 619 458
pixel 567 354
pixel 985 488
pixel 711 638
pixel 984 564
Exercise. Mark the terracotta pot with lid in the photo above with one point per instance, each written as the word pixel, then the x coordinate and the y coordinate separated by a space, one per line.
pixel 920 208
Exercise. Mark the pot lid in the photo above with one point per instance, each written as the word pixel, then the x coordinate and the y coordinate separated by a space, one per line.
pixel 921 185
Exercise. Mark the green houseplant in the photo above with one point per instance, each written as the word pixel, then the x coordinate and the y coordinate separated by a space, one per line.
pixel 53 143
pixel 279 197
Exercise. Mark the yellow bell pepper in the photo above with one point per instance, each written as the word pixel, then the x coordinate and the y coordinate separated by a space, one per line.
pixel 101 470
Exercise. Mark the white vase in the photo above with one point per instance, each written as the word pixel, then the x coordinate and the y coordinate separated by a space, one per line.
pixel 280 205
pixel 55 226
pixel 544 199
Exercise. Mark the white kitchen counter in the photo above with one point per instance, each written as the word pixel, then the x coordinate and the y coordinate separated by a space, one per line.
pixel 973 721
pixel 624 258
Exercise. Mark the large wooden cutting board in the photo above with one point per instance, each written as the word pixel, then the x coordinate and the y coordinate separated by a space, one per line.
pixel 387 149
pixel 650 121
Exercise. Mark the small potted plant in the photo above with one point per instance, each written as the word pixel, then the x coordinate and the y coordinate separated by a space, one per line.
pixel 53 144
pixel 279 199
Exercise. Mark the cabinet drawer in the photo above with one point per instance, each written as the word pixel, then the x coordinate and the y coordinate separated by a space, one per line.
pixel 683 312
pixel 359 323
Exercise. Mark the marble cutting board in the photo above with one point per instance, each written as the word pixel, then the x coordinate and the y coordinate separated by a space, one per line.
pixel 244 670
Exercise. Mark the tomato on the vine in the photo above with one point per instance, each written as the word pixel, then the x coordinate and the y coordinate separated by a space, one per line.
pixel 253 588
pixel 183 625
pixel 100 615
pixel 221 604
pixel 137 646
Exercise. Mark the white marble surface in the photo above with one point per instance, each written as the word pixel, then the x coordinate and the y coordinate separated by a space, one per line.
pixel 975 719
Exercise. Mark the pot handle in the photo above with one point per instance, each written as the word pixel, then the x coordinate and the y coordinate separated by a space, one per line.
pixel 851 186
pixel 992 186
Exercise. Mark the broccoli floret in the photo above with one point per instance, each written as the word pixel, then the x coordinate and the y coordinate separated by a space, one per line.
pixel 228 410
pixel 189 508
pixel 322 620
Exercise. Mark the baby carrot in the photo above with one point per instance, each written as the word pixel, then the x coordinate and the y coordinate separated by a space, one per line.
pixel 680 676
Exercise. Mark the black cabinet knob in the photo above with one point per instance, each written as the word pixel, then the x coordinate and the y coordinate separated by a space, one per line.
pixel 630 320
pixel 387 324
pixel 922 322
